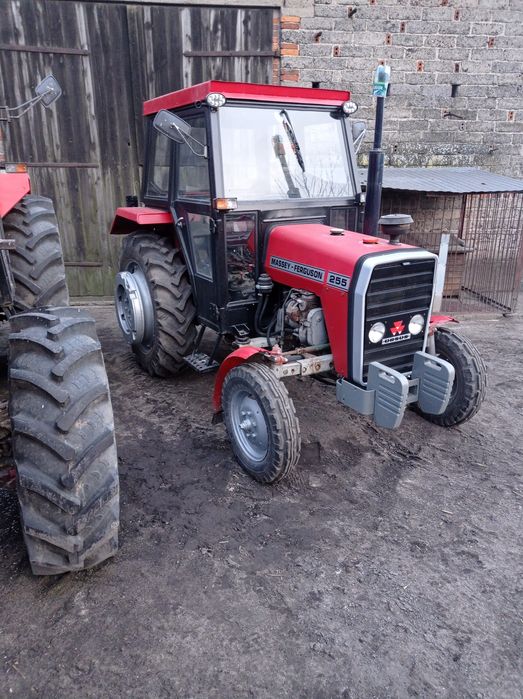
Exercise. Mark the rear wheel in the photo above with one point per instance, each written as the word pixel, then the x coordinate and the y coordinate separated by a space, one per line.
pixel 261 422
pixel 63 440
pixel 154 303
pixel 37 261
pixel 470 383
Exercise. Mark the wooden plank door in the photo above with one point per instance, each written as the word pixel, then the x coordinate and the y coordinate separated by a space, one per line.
pixel 82 151
pixel 85 151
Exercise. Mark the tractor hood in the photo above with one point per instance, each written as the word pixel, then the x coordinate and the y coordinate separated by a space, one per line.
pixel 324 260
pixel 13 187
pixel 312 256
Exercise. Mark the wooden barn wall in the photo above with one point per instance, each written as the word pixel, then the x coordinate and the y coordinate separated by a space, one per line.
pixel 85 151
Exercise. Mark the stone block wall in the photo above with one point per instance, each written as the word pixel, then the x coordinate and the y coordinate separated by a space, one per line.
pixel 457 73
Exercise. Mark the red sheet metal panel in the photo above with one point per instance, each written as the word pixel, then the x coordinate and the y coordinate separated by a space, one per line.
pixel 140 216
pixel 246 91
pixel 13 186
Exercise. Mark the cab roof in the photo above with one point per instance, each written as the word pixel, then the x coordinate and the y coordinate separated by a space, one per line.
pixel 245 91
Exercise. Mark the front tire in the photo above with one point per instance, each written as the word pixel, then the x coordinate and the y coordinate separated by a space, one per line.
pixel 37 261
pixel 63 441
pixel 261 422
pixel 159 276
pixel 470 382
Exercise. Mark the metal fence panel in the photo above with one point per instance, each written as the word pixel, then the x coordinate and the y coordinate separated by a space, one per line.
pixel 485 257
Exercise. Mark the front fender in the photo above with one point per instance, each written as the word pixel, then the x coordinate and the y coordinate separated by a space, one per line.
pixel 234 359
pixel 440 320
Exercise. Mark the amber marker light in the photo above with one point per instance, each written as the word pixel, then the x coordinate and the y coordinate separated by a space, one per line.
pixel 15 167
pixel 225 203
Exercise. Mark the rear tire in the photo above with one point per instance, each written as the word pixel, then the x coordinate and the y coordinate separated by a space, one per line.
pixel 37 262
pixel 261 422
pixel 63 441
pixel 470 382
pixel 163 276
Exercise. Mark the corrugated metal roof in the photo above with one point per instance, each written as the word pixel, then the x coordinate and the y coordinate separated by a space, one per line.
pixel 454 180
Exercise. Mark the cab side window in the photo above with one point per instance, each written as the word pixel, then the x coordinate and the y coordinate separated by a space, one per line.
pixel 159 165
pixel 193 168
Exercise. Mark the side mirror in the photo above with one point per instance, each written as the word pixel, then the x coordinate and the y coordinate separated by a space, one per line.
pixel 172 126
pixel 359 129
pixel 48 90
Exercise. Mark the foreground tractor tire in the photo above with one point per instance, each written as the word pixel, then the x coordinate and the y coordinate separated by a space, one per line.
pixel 470 382
pixel 63 440
pixel 261 422
pixel 37 262
pixel 159 277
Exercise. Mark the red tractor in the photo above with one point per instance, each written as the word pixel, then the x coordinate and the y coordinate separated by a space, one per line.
pixel 63 455
pixel 250 202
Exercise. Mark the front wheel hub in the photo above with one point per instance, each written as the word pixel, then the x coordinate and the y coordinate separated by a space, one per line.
pixel 134 307
pixel 249 425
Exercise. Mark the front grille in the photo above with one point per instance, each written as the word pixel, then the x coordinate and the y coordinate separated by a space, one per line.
pixel 396 291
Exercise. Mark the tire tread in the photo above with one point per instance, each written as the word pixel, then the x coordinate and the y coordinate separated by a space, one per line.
pixel 60 406
pixel 37 262
pixel 171 291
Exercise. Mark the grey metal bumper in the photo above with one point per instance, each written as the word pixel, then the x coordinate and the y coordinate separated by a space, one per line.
pixel 388 392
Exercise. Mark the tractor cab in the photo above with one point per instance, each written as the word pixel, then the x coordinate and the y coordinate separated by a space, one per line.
pixel 229 162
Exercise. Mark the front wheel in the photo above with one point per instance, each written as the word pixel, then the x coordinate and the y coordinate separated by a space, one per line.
pixel 261 422
pixel 470 383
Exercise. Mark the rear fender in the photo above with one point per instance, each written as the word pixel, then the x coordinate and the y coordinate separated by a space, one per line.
pixel 128 218
pixel 13 187
pixel 234 359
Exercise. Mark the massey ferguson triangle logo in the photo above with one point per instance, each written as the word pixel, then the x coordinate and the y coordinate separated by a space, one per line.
pixel 397 327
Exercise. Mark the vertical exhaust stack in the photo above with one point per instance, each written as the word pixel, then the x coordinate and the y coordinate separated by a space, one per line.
pixel 376 157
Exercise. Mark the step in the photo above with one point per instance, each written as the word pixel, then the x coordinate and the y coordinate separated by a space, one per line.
pixel 201 362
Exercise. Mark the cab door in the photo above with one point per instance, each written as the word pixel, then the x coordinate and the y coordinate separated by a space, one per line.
pixel 196 226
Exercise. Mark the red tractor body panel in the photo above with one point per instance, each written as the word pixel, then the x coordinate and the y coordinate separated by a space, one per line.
pixel 13 187
pixel 128 218
pixel 245 91
pixel 309 257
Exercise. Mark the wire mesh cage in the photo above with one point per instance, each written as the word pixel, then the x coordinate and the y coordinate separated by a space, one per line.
pixel 485 254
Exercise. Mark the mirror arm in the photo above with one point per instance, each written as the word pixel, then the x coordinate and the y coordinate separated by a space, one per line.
pixel 20 109
pixel 204 147
pixel 358 141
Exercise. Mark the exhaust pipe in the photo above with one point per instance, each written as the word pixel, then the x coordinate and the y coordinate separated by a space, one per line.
pixel 376 157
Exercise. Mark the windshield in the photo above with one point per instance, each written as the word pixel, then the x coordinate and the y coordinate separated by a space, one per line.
pixel 275 153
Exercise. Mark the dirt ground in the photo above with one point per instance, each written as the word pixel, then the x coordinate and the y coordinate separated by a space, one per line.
pixel 389 566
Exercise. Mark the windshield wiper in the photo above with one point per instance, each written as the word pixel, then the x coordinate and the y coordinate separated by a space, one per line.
pixel 279 151
pixel 292 138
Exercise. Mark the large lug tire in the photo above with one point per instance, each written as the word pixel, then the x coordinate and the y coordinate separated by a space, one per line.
pixel 470 382
pixel 261 422
pixel 37 262
pixel 160 278
pixel 63 441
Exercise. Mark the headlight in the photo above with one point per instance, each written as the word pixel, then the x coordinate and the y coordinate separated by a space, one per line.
pixel 349 107
pixel 215 99
pixel 416 324
pixel 376 332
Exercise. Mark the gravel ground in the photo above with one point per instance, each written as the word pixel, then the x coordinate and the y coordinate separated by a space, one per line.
pixel 389 566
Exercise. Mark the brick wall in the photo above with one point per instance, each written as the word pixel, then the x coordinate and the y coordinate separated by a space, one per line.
pixel 457 73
